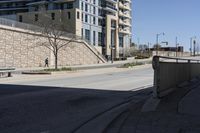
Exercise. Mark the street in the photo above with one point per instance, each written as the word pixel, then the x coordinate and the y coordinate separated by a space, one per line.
pixel 105 79
pixel 61 103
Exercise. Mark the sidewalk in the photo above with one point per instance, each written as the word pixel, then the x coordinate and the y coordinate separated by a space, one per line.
pixel 178 112
pixel 92 66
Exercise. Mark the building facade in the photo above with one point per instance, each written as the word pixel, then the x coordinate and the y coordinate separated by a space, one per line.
pixel 105 24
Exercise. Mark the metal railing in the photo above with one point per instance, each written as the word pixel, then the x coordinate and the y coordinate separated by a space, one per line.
pixel 170 72
pixel 175 59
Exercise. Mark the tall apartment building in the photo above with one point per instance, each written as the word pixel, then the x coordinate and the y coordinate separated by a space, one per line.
pixel 106 24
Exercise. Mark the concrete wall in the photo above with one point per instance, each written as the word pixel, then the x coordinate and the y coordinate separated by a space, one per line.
pixel 167 75
pixel 18 49
pixel 171 53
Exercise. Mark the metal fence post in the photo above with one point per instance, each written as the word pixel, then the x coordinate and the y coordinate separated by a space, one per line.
pixel 156 67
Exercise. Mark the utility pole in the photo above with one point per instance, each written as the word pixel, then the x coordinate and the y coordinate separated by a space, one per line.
pixel 157 35
pixel 194 44
pixel 176 46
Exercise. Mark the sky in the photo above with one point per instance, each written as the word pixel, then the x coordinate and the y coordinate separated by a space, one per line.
pixel 176 18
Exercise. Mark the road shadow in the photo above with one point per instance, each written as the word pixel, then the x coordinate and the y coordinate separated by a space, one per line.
pixel 35 109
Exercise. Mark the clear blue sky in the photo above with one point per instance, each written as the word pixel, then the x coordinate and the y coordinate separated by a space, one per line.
pixel 179 18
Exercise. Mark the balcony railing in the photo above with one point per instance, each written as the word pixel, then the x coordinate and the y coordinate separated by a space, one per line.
pixel 125 15
pixel 125 23
pixel 112 1
pixel 123 6
pixel 124 31
pixel 110 8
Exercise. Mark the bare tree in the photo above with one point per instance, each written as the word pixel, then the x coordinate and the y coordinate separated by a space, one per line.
pixel 57 38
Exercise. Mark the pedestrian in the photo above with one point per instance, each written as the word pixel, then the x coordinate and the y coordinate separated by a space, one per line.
pixel 46 62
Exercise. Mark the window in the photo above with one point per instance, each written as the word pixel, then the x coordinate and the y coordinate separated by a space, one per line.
pixel 82 17
pixel 94 2
pixel 36 17
pixel 99 2
pixel 94 37
pixel 20 18
pixel 100 23
pixel 82 32
pixel 86 18
pixel 87 34
pixel 78 15
pixel 86 7
pixel 53 16
pixel 94 10
pixel 94 20
pixel 99 38
pixel 69 5
pixel 82 5
pixel 69 15
pixel 121 39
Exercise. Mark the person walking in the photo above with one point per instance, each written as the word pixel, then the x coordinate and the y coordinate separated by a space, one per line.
pixel 46 62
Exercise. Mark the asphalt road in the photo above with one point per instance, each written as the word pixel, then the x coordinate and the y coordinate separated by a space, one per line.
pixel 32 104
pixel 104 79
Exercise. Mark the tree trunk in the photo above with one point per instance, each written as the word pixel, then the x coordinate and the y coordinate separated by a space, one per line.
pixel 56 61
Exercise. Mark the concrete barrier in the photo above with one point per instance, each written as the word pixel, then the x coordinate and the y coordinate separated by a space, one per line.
pixel 170 72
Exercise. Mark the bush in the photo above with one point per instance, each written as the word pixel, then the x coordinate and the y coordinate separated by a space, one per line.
pixel 60 69
pixel 127 65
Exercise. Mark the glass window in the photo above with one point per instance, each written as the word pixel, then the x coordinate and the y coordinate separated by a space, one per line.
pixel 86 7
pixel 99 22
pixel 94 37
pixel 36 17
pixel 78 15
pixel 69 15
pixel 121 39
pixel 20 18
pixel 94 10
pixel 82 5
pixel 82 32
pixel 94 20
pixel 99 38
pixel 87 34
pixel 86 18
pixel 53 16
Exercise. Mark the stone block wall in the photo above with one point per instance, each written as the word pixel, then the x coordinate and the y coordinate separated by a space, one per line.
pixel 18 48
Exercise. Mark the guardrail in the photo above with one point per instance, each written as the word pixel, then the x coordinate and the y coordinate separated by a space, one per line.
pixel 170 72
pixel 6 72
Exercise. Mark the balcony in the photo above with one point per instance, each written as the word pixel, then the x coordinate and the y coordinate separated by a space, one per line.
pixel 112 1
pixel 110 8
pixel 125 15
pixel 124 31
pixel 124 23
pixel 123 6
pixel 129 1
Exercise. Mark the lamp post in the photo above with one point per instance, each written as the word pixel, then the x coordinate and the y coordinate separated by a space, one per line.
pixel 157 36
pixel 112 48
pixel 194 45
pixel 191 42
pixel 176 46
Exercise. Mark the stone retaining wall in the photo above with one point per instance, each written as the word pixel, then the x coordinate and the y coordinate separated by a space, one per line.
pixel 18 49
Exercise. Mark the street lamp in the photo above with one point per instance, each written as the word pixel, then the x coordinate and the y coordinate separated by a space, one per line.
pixel 177 46
pixel 112 48
pixel 157 36
pixel 191 42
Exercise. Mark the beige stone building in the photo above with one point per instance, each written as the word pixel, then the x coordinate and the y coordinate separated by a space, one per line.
pixel 105 24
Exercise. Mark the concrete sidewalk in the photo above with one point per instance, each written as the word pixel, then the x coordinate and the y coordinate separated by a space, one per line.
pixel 178 112
pixel 92 66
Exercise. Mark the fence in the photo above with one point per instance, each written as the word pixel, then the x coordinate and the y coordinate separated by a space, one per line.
pixel 170 72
